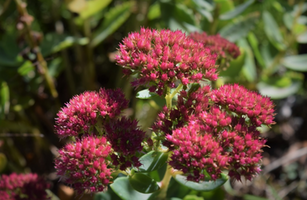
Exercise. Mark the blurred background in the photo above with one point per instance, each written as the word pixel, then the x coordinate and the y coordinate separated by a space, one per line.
pixel 51 50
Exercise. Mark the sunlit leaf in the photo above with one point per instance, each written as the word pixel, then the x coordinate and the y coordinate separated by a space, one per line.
pixel 272 31
pixel 143 94
pixel 202 185
pixel 192 197
pixel 253 41
pixel 277 92
pixel 152 161
pixel 113 20
pixel 154 11
pixel 93 7
pixel 76 5
pixel 302 38
pixel 239 29
pixel 238 10
pixel 235 66
pixel 203 4
pixel 296 62
pixel 252 197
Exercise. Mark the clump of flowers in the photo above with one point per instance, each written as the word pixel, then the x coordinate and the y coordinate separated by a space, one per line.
pixel 84 164
pixel 204 131
pixel 23 186
pixel 84 111
pixel 162 58
pixel 125 138
pixel 224 49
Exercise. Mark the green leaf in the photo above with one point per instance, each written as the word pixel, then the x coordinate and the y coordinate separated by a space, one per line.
pixel 3 161
pixel 93 7
pixel 125 191
pixel 178 16
pixel 203 4
pixel 272 31
pixel 152 161
pixel 25 68
pixel 143 94
pixel 4 99
pixel 235 66
pixel 235 12
pixel 296 62
pixel 202 185
pixel 252 197
pixel 55 67
pixel 143 183
pixel 106 195
pixel 9 51
pixel 239 29
pixel 154 11
pixel 255 46
pixel 302 38
pixel 277 92
pixel 113 20
pixel 249 68
pixel 192 197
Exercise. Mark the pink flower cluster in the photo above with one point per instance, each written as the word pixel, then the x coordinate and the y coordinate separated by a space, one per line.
pixel 240 100
pixel 218 45
pixel 215 131
pixel 23 186
pixel 84 164
pixel 84 111
pixel 161 58
pixel 125 138
pixel 107 142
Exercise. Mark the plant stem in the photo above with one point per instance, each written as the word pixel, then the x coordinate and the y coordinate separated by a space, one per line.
pixel 42 64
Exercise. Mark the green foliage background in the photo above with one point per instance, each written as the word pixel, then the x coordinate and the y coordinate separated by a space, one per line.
pixel 70 46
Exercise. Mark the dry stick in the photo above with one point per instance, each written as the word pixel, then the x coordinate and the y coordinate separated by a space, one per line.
pixel 285 159
pixel 42 64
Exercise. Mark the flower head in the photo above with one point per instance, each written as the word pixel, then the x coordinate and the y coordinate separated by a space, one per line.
pixel 83 111
pixel 223 48
pixel 162 58
pixel 125 138
pixel 84 164
pixel 240 100
pixel 21 186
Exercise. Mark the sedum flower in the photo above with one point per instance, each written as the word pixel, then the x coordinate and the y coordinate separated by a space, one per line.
pixel 23 186
pixel 224 49
pixel 240 100
pixel 84 164
pixel 83 111
pixel 162 58
pixel 125 138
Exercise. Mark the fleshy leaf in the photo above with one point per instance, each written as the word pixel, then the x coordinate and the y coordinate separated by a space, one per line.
pixel 113 20
pixel 125 191
pixel 238 10
pixel 277 92
pixel 143 94
pixel 202 185
pixel 296 62
pixel 143 183
pixel 152 161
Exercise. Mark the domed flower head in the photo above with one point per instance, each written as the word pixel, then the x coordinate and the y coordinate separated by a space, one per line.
pixel 125 138
pixel 189 104
pixel 162 58
pixel 224 49
pixel 242 101
pixel 196 151
pixel 23 186
pixel 83 111
pixel 84 164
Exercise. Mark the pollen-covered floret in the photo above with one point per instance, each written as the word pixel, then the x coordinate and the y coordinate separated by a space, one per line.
pixel 84 164
pixel 162 58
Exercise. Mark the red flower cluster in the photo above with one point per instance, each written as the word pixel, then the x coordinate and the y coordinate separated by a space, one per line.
pixel 240 100
pixel 218 45
pixel 23 186
pixel 125 138
pixel 84 111
pixel 163 57
pixel 84 164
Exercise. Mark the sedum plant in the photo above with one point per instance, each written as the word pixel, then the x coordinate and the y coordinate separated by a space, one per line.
pixel 201 138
